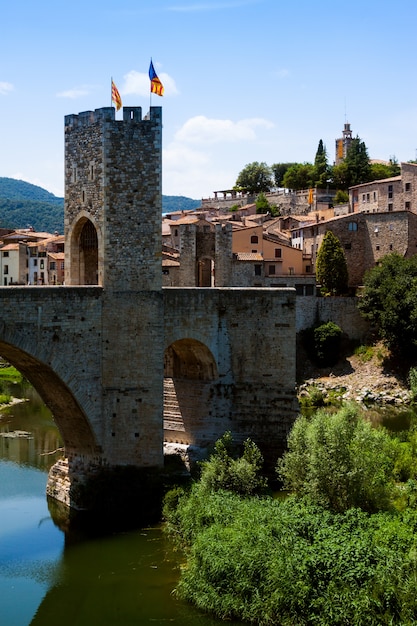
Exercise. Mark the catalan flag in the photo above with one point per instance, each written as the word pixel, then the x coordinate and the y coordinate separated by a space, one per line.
pixel 115 96
pixel 310 196
pixel 156 85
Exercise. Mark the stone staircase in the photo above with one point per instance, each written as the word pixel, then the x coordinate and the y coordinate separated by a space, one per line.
pixel 172 413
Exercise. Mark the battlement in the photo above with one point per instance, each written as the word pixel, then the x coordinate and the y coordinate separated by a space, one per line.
pixel 130 114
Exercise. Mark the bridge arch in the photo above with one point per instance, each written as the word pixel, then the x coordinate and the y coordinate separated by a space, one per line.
pixel 71 420
pixel 190 371
pixel 84 246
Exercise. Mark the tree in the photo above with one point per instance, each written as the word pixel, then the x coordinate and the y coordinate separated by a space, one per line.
pixel 340 461
pixel 357 162
pixel 389 302
pixel 255 178
pixel 321 167
pixel 278 170
pixel 331 267
pixel 299 176
pixel 225 470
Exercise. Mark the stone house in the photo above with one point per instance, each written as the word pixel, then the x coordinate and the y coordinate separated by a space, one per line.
pixel 398 193
pixel 366 238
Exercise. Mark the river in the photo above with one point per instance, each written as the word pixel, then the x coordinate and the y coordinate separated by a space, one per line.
pixel 48 577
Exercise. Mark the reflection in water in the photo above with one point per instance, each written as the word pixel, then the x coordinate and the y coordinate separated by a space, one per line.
pixel 49 578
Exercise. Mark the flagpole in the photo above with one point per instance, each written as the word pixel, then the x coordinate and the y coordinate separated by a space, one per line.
pixel 111 92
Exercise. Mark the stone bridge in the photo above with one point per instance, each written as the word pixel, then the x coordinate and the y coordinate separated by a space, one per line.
pixel 105 350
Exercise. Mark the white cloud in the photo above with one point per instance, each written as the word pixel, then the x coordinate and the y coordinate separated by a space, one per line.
pixel 193 167
pixel 76 92
pixel 201 129
pixel 137 83
pixel 5 88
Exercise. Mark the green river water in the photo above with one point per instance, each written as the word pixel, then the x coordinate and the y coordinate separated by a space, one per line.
pixel 48 578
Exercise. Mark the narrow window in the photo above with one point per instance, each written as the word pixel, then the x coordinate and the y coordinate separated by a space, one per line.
pixel 254 239
pixel 278 253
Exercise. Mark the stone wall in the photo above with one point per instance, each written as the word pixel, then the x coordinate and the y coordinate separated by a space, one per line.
pixel 341 311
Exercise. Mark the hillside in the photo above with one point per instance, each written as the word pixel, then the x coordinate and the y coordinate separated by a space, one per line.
pixel 23 204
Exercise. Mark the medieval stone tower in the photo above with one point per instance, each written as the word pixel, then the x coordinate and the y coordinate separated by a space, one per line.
pixel 113 207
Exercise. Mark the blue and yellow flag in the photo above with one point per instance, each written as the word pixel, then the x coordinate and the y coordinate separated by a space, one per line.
pixel 156 85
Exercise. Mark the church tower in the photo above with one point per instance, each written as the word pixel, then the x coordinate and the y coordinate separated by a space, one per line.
pixel 342 144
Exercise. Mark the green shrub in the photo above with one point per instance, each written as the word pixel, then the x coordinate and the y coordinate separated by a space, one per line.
pixel 269 562
pixel 226 470
pixel 340 461
pixel 323 343
pixel 365 353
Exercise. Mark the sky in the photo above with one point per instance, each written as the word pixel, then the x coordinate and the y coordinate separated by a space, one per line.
pixel 245 81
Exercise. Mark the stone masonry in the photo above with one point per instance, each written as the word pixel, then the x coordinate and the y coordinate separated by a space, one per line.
pixel 101 349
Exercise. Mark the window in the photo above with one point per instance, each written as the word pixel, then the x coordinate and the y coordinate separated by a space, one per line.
pixel 254 239
pixel 390 246
pixel 35 262
pixel 258 270
pixel 390 206
pixel 6 269
pixel 308 269
pixel 377 248
pixel 291 271
pixel 271 270
pixel 42 264
pixel 408 186
pixel 348 246
pixel 278 253
pixel 408 206
pixel 5 253
pixel 62 265
pixel 390 191
pixel 363 197
pixel 52 265
pixel 374 196
pixel 353 226
pixel 367 197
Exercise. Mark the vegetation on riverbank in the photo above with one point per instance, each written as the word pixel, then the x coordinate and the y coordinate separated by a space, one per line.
pixel 8 376
pixel 340 549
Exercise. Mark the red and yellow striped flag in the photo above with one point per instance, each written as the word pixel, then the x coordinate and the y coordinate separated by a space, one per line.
pixel 115 96
pixel 156 85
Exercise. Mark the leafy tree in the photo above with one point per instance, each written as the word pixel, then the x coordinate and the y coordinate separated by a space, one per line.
pixel 299 176
pixel 262 204
pixel 341 197
pixel 278 170
pixel 380 171
pixel 255 178
pixel 389 302
pixel 340 461
pixel 321 167
pixel 331 267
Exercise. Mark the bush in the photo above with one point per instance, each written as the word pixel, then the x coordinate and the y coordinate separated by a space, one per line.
pixel 340 461
pixel 226 470
pixel 270 562
pixel 323 342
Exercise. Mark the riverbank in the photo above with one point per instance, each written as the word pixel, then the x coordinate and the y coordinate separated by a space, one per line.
pixel 367 377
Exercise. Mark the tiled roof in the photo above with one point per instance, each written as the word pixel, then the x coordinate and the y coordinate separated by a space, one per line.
pixel 248 256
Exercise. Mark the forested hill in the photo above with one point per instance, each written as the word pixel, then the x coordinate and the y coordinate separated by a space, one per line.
pixel 23 204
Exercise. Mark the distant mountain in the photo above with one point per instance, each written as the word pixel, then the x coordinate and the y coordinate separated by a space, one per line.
pixel 23 204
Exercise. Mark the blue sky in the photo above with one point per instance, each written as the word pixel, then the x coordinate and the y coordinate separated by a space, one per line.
pixel 245 80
